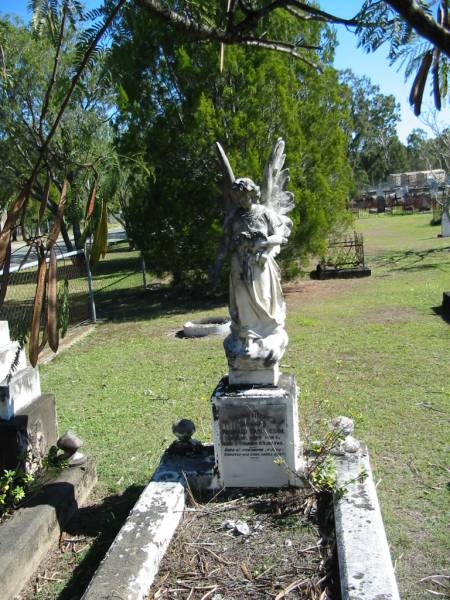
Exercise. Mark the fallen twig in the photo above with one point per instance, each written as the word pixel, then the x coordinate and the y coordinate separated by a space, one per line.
pixel 293 586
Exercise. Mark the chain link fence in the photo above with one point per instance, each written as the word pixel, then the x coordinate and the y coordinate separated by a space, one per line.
pixel 18 305
pixel 91 295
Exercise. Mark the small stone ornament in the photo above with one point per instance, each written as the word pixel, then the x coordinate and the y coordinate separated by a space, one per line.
pixel 348 444
pixel 70 444
pixel 183 430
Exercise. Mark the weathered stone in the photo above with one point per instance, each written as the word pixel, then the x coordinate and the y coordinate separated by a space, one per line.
pixel 219 326
pixel 69 442
pixel 343 425
pixel 256 437
pixel 132 562
pixel 255 228
pixel 445 223
pixel 365 564
pixel 29 534
pixel 23 388
pixel 183 429
pixel 27 437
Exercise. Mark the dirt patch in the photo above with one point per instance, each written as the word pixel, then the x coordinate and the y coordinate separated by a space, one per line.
pixel 308 290
pixel 391 314
pixel 261 546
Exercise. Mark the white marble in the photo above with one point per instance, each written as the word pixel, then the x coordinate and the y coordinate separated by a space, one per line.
pixel 23 388
pixel 8 353
pixel 255 227
pixel 4 333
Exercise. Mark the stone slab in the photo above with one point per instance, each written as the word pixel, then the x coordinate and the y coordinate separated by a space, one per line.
pixel 22 389
pixel 26 438
pixel 365 564
pixel 7 356
pixel 29 534
pixel 132 562
pixel 256 436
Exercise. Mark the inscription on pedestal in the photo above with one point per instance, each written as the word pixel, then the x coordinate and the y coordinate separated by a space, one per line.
pixel 253 432
pixel 256 440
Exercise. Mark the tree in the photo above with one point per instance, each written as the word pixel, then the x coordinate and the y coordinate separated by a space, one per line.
pixel 374 147
pixel 82 144
pixel 179 104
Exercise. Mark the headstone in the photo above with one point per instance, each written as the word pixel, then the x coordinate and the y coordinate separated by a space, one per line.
pixel 255 419
pixel 256 436
pixel 28 426
pixel 445 223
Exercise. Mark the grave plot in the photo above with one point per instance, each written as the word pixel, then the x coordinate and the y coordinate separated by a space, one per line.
pixel 263 545
pixel 344 259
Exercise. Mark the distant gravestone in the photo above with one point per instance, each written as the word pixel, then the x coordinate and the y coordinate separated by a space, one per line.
pixel 445 222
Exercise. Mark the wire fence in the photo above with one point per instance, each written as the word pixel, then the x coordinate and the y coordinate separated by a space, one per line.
pixel 17 308
pixel 90 295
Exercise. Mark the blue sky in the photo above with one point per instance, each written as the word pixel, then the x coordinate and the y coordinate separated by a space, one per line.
pixel 348 55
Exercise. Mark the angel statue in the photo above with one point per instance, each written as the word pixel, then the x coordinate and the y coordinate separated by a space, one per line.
pixel 255 227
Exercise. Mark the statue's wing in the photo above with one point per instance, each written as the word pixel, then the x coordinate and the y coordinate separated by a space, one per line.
pixel 228 175
pixel 273 194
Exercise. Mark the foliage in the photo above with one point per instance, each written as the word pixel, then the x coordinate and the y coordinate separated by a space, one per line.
pixel 178 104
pixel 31 92
pixel 14 484
pixel 406 47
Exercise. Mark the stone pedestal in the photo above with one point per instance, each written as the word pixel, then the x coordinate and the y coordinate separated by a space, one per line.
pixel 256 437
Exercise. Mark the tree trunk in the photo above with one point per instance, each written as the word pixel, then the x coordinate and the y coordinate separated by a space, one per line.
pixel 77 234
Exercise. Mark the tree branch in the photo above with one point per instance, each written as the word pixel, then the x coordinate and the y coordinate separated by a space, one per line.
pixel 423 23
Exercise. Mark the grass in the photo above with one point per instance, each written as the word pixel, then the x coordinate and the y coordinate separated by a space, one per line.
pixel 375 349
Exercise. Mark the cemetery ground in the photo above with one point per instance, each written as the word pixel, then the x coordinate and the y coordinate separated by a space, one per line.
pixel 375 349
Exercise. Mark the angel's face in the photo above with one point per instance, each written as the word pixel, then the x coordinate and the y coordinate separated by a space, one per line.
pixel 248 192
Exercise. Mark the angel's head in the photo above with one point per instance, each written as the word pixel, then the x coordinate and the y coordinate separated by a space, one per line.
pixel 246 192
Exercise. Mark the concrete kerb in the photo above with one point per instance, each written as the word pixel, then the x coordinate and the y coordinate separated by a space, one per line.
pixel 365 564
pixel 132 562
pixel 29 534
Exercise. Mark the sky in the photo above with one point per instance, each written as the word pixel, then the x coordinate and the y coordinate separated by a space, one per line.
pixel 348 55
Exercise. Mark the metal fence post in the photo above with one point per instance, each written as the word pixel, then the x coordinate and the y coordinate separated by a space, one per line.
pixel 144 271
pixel 90 285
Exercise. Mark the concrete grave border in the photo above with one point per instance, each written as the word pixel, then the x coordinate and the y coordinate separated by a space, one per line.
pixel 28 535
pixel 131 564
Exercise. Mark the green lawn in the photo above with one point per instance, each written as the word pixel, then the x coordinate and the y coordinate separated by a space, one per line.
pixel 374 349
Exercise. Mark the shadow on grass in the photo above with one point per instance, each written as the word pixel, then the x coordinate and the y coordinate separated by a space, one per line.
pixel 103 522
pixel 438 310
pixel 137 304
pixel 411 259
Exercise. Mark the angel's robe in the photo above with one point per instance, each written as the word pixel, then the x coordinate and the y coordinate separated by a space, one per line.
pixel 257 306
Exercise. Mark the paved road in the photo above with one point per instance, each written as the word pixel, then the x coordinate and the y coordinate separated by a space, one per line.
pixel 19 250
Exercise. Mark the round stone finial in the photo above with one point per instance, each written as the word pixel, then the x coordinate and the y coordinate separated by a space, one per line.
pixel 183 429
pixel 344 425
pixel 69 442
